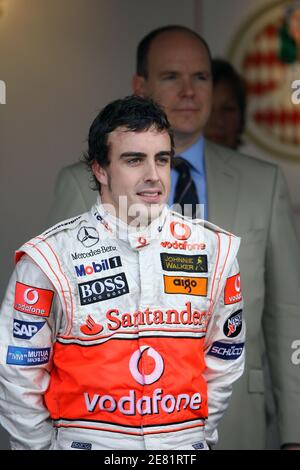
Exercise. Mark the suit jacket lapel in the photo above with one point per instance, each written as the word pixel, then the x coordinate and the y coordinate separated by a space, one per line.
pixel 222 186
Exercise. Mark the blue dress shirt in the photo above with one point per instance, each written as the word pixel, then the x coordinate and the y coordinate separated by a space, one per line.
pixel 195 156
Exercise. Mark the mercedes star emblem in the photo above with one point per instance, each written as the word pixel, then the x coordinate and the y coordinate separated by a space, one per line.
pixel 88 236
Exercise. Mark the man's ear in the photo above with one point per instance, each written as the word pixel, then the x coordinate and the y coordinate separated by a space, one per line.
pixel 100 173
pixel 139 85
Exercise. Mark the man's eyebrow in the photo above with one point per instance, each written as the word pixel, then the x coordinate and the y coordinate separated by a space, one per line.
pixel 142 154
pixel 162 153
pixel 133 154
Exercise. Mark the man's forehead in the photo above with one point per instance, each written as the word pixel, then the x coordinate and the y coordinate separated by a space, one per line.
pixel 170 44
pixel 123 135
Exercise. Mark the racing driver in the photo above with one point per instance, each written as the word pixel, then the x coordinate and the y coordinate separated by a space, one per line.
pixel 122 328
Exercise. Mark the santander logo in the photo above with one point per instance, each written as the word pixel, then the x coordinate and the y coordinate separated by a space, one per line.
pixel 144 379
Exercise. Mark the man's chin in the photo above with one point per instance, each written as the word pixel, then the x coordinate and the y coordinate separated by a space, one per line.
pixel 142 214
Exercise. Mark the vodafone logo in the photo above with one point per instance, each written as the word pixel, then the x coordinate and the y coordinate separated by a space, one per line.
pixel 142 242
pixel 33 300
pixel 180 231
pixel 31 296
pixel 237 283
pixel 233 291
pixel 144 379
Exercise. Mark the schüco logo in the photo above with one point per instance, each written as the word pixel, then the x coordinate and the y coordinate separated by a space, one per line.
pixel 154 404
pixel 104 265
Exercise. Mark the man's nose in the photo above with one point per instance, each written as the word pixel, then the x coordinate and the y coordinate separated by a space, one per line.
pixel 151 172
pixel 187 87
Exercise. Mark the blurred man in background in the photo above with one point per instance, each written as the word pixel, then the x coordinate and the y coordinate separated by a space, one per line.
pixel 228 112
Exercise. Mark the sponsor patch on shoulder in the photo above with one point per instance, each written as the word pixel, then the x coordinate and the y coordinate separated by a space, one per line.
pixel 233 324
pixel 226 351
pixel 27 356
pixel 33 300
pixel 232 292
pixel 26 329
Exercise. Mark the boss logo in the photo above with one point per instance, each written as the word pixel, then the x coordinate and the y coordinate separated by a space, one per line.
pixel 103 289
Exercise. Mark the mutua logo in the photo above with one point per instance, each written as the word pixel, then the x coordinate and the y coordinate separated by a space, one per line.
pixel 104 265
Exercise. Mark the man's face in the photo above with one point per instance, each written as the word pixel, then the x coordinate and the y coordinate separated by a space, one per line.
pixel 224 124
pixel 139 168
pixel 179 79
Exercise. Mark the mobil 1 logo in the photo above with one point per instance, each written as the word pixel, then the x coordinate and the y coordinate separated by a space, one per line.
pixel 105 288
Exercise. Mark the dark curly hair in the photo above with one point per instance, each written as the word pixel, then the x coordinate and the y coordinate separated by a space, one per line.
pixel 133 112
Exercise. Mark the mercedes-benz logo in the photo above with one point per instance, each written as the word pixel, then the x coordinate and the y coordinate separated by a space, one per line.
pixel 88 236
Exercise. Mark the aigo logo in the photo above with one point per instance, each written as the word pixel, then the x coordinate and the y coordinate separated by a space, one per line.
pixel 180 230
pixel 146 379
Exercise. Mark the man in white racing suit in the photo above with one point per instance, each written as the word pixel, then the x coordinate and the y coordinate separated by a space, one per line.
pixel 120 331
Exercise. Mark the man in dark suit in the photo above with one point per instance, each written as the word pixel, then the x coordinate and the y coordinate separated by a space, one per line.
pixel 244 195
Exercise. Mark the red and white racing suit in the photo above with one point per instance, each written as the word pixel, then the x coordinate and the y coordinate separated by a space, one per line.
pixel 120 339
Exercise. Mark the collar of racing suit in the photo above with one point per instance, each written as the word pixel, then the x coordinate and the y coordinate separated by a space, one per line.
pixel 135 237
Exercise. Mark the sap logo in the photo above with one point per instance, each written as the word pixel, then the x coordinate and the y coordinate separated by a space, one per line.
pixel 26 329
pixel 105 265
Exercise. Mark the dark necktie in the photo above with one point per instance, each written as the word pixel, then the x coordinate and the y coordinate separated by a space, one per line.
pixel 185 191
